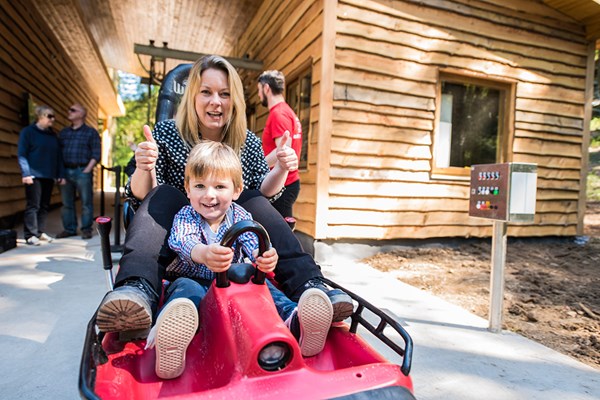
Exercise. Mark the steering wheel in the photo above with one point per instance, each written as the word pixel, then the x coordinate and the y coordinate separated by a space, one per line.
pixel 231 236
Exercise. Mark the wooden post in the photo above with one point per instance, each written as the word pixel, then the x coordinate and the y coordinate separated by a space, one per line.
pixel 585 139
pixel 497 276
pixel 325 120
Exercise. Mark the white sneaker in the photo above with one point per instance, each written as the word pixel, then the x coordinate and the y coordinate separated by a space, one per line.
pixel 176 326
pixel 311 321
pixel 46 238
pixel 34 241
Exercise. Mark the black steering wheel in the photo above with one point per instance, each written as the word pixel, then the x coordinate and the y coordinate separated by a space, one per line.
pixel 231 236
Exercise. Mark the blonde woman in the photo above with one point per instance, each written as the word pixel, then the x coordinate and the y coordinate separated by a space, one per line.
pixel 212 108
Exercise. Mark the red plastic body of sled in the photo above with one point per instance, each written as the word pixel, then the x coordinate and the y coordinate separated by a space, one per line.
pixel 235 324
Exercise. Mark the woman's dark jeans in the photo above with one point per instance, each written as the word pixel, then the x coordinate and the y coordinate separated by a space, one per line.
pixel 38 197
pixel 285 203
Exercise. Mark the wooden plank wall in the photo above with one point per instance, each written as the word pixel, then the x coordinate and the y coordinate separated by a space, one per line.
pixel 287 36
pixel 388 57
pixel 31 61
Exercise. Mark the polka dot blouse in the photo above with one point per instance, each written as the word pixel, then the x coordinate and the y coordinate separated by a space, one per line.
pixel 173 154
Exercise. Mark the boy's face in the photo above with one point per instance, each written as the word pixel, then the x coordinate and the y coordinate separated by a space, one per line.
pixel 211 196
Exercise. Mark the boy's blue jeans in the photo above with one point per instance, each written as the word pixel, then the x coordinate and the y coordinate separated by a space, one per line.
pixel 189 288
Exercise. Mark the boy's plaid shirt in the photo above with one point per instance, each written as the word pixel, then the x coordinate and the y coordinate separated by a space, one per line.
pixel 189 230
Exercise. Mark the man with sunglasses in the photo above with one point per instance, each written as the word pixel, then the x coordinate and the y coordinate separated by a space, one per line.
pixel 81 152
pixel 41 164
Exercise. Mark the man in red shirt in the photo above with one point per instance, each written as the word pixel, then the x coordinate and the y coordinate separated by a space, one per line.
pixel 282 128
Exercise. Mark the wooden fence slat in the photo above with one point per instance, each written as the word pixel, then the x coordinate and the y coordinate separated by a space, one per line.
pixel 381 162
pixel 383 133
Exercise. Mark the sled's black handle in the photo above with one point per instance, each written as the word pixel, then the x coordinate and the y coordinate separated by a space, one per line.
pixel 263 245
pixel 104 225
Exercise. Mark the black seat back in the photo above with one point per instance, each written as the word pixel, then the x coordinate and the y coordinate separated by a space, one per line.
pixel 169 97
pixel 171 91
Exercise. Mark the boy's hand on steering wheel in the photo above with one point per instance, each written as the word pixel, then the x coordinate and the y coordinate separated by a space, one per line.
pixel 286 156
pixel 146 153
pixel 218 258
pixel 268 261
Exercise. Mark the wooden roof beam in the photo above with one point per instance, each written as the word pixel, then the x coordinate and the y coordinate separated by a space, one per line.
pixel 164 53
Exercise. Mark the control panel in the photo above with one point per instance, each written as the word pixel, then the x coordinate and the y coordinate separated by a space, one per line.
pixel 505 192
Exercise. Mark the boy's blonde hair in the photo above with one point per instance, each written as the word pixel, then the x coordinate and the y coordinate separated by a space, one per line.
pixel 214 158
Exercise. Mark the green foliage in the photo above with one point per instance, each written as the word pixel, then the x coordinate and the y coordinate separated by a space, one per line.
pixel 593 178
pixel 595 130
pixel 129 127
pixel 593 186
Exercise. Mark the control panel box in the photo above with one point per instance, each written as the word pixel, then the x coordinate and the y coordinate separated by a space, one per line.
pixel 504 192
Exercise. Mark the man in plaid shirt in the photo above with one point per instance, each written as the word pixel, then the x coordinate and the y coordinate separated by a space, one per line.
pixel 80 145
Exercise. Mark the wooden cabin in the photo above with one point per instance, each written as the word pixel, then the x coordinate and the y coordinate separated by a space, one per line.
pixel 398 98
pixel 406 95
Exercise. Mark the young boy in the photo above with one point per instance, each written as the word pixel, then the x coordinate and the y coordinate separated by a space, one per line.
pixel 213 180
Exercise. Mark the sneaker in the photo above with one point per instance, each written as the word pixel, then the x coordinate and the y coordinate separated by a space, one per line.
pixel 310 321
pixel 175 328
pixel 65 234
pixel 127 308
pixel 46 238
pixel 34 241
pixel 86 234
pixel 341 302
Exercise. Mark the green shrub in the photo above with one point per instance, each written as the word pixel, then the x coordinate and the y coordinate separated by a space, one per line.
pixel 595 132
pixel 593 187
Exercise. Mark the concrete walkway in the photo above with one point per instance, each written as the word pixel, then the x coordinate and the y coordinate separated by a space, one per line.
pixel 455 356
pixel 48 294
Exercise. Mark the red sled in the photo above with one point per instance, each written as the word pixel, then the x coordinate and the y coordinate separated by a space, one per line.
pixel 243 350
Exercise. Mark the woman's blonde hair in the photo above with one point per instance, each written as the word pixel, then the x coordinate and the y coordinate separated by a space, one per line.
pixel 214 158
pixel 234 131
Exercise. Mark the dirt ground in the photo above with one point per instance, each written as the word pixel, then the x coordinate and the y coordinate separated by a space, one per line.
pixel 552 285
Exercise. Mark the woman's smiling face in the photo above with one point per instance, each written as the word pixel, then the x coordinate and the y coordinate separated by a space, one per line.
pixel 213 104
